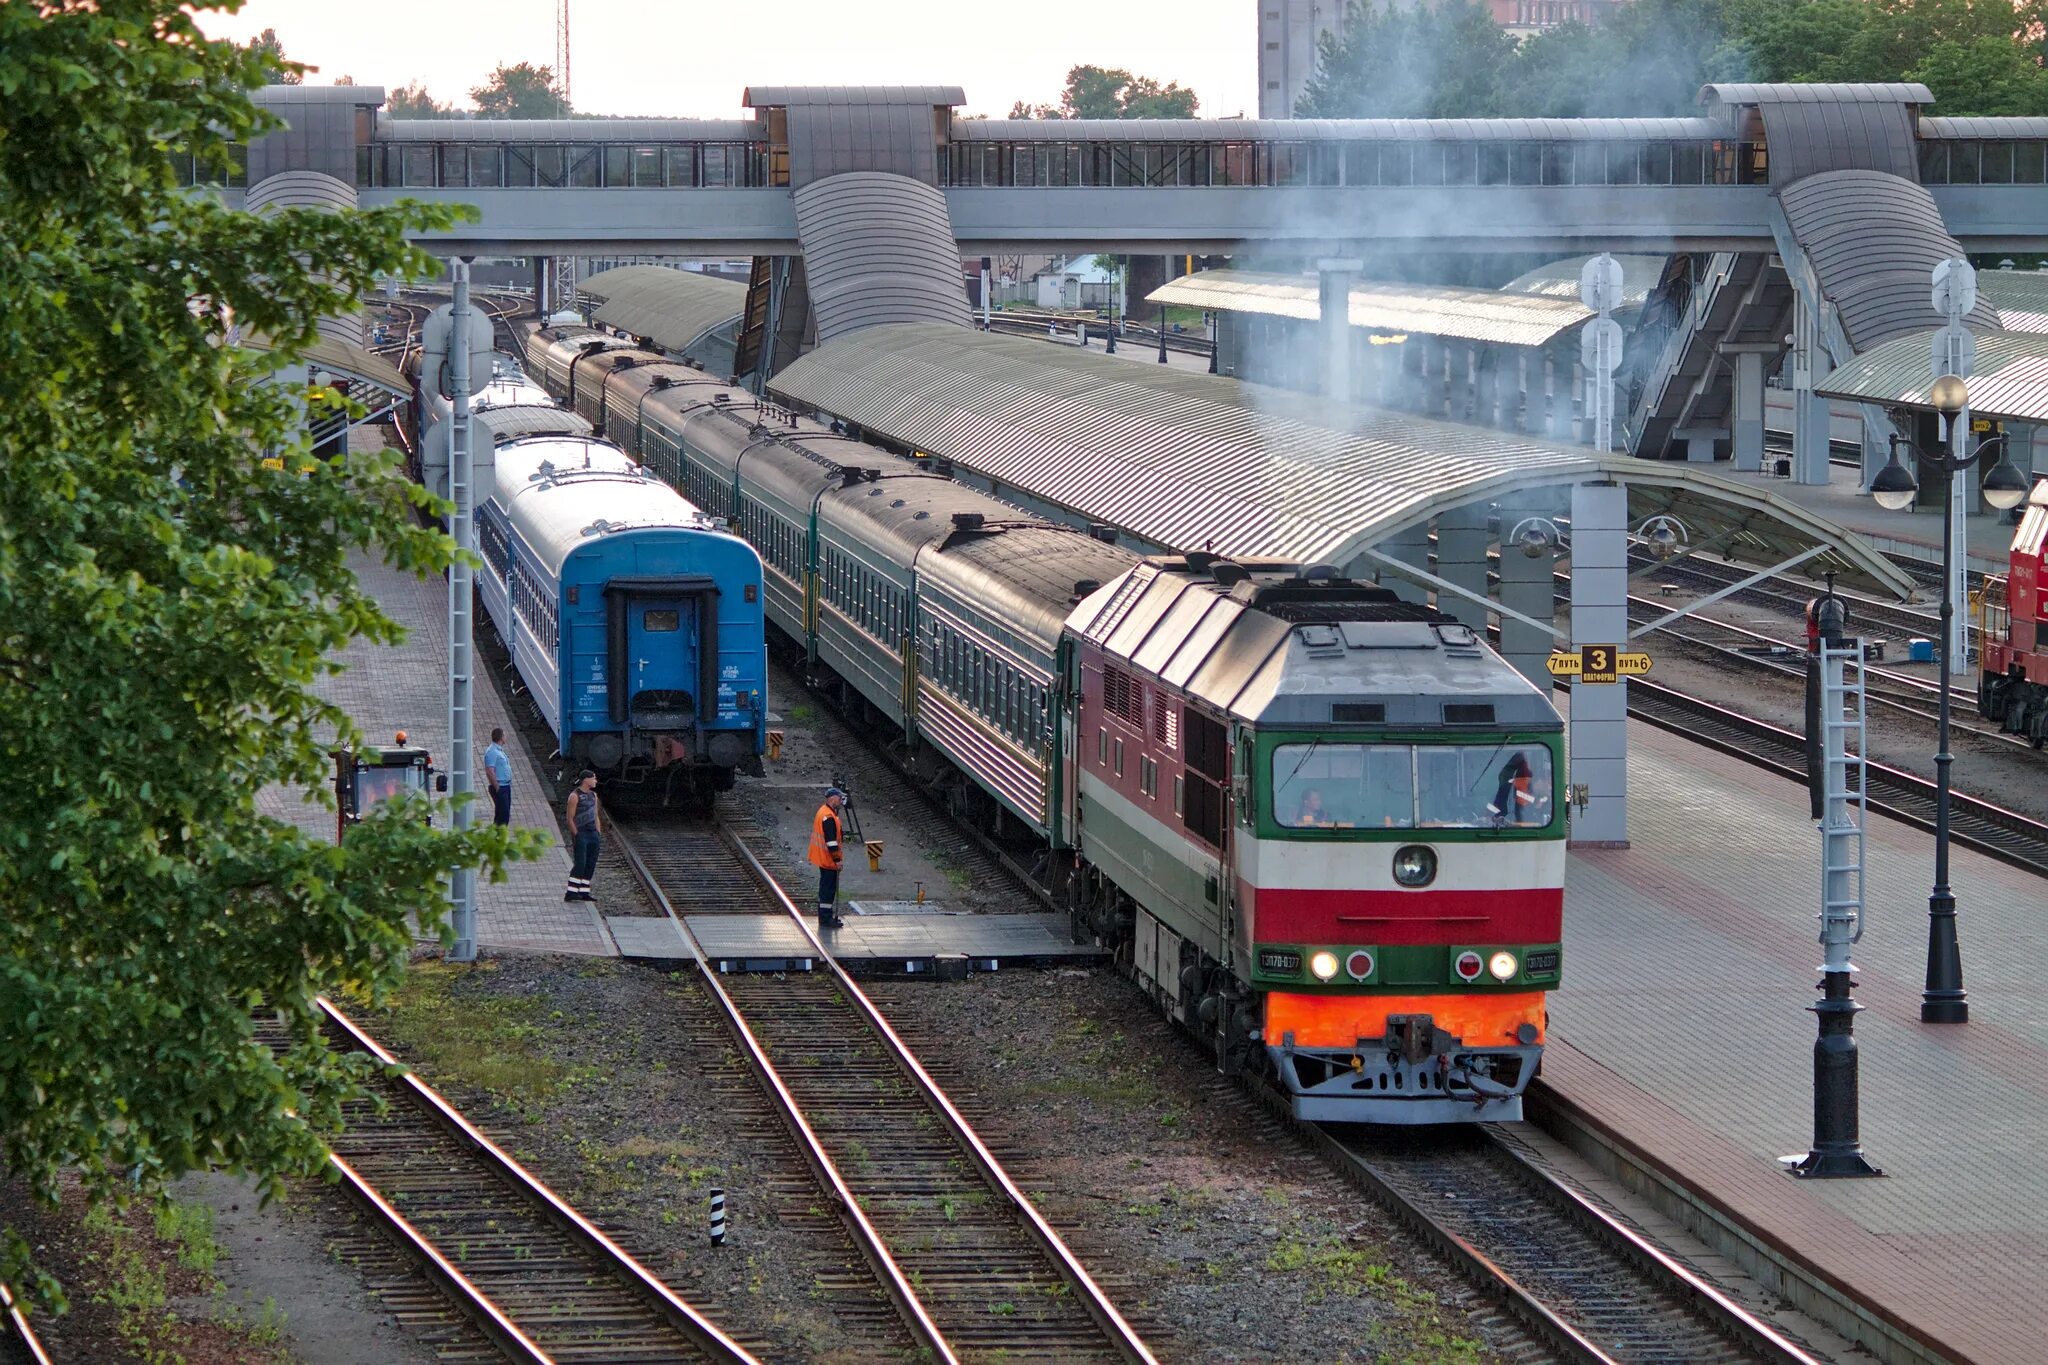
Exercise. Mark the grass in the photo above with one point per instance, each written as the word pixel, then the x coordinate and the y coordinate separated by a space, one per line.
pixel 492 1045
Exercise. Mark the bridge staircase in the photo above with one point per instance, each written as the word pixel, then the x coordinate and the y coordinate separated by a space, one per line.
pixel 1685 383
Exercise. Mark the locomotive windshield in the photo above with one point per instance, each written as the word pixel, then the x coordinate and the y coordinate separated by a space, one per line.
pixel 1411 786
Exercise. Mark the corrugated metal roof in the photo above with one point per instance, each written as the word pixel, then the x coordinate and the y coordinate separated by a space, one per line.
pixel 676 308
pixel 2009 381
pixel 638 130
pixel 1874 241
pixel 1979 127
pixel 1193 461
pixel 782 96
pixel 1429 309
pixel 1337 130
pixel 1560 279
pixel 319 94
pixel 1816 92
pixel 347 360
pixel 878 248
pixel 2020 296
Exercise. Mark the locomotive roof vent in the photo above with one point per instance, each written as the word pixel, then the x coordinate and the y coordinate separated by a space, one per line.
pixel 1228 574
pixel 721 398
pixel 1319 573
pixel 663 381
pixel 871 474
pixel 1458 637
pixel 1198 561
pixel 968 521
pixel 921 516
pixel 1084 586
pixel 1103 532
pixel 848 476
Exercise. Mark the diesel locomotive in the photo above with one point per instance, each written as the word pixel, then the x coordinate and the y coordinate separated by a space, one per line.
pixel 1319 824
pixel 2012 689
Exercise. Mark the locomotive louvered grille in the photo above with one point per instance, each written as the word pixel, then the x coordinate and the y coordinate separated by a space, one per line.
pixel 1208 746
pixel 1126 596
pixel 1123 696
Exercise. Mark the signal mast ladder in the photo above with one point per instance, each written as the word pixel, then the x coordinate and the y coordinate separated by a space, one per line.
pixel 1844 815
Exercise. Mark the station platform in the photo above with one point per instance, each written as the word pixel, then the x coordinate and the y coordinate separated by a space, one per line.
pixel 890 941
pixel 1682 1028
pixel 1914 534
pixel 405 687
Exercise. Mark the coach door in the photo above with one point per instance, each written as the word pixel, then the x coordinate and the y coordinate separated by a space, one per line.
pixel 663 652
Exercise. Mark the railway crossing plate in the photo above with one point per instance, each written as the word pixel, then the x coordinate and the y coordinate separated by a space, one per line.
pixel 1599 664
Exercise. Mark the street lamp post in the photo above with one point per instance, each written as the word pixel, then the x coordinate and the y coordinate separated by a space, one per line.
pixel 1944 1000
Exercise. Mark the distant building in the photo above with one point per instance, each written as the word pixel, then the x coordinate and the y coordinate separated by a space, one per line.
pixel 1291 34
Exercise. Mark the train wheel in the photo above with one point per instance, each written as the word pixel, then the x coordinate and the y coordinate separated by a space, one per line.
pixel 1991 697
pixel 2037 724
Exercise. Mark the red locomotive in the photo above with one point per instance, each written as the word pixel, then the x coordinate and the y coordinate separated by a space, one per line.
pixel 2013 617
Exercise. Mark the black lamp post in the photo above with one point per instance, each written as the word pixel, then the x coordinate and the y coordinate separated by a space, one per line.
pixel 1109 348
pixel 1944 1001
pixel 1162 334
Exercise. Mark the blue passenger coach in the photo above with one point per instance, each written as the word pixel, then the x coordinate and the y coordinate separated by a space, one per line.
pixel 633 619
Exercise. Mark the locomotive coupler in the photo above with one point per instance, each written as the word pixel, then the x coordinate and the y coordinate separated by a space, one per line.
pixel 1413 1037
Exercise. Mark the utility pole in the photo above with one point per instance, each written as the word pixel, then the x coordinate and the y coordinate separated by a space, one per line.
pixel 461 718
pixel 562 49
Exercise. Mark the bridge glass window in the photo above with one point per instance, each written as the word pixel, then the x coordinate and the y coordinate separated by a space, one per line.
pixel 682 166
pixel 2026 162
pixel 586 167
pixel 1688 164
pixel 519 167
pixel 551 166
pixel 419 165
pixel 1525 164
pixel 1995 163
pixel 487 166
pixel 1656 163
pixel 1290 163
pixel 1461 163
pixel 1557 163
pixel 1933 163
pixel 618 167
pixel 647 168
pixel 717 166
pixel 1426 164
pixel 1493 164
pixel 1361 163
pixel 1395 162
pixel 1622 167
pixel 454 164
pixel 1964 161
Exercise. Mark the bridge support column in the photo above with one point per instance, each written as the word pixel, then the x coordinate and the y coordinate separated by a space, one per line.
pixel 1557 401
pixel 1747 420
pixel 1334 277
pixel 1599 723
pixel 1512 365
pixel 1582 404
pixel 1486 365
pixel 1529 587
pixel 1699 443
pixel 540 287
pixel 1461 542
pixel 1810 419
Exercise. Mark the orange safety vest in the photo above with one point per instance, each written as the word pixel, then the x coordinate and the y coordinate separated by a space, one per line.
pixel 821 856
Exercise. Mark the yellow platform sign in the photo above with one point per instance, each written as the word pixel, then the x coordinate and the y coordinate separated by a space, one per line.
pixel 1599 664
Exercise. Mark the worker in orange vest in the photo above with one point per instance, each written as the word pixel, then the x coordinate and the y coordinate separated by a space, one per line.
pixel 1513 799
pixel 828 855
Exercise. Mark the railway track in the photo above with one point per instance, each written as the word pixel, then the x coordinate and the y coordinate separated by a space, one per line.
pixel 19 1342
pixel 972 1268
pixel 1589 1287
pixel 1975 823
pixel 536 1280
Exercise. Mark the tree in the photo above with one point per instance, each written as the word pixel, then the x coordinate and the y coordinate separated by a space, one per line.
pixel 413 101
pixel 281 69
pixel 1110 92
pixel 522 91
pixel 1442 60
pixel 167 602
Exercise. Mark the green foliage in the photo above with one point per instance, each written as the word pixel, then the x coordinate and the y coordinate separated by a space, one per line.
pixel 521 91
pixel 167 604
pixel 413 101
pixel 1111 92
pixel 283 70
pixel 1446 58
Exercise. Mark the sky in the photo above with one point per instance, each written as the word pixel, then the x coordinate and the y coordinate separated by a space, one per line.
pixel 658 57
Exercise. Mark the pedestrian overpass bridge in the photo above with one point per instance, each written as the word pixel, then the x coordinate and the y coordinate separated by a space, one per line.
pixel 1212 186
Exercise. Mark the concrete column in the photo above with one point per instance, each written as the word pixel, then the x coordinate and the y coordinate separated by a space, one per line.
pixel 540 287
pixel 1526 586
pixel 1410 547
pixel 1599 723
pixel 1508 381
pixel 1748 417
pixel 1334 277
pixel 1582 409
pixel 1809 410
pixel 1461 542
pixel 1414 375
pixel 1699 443
pixel 1486 363
pixel 1557 403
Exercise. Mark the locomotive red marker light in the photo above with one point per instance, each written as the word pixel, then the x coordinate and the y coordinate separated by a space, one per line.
pixel 1469 966
pixel 1359 964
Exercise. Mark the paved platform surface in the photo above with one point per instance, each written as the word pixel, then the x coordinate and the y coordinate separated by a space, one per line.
pixel 1690 962
pixel 404 687
pixel 902 938
pixel 1916 533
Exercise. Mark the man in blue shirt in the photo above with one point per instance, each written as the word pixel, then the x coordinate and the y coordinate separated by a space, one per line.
pixel 498 773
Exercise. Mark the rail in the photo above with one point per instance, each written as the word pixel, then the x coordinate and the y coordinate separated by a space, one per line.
pixel 1115 1331
pixel 19 1330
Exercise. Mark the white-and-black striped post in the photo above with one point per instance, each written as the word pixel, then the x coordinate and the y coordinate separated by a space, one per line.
pixel 717 1217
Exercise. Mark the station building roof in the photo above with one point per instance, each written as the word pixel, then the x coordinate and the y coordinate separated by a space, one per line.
pixel 673 308
pixel 2009 381
pixel 347 360
pixel 2020 296
pixel 1192 461
pixel 1560 279
pixel 1337 130
pixel 1428 309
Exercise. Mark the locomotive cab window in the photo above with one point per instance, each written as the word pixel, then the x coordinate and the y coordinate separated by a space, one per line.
pixel 1411 786
pixel 659 621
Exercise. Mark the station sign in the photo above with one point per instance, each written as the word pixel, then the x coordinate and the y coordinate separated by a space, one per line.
pixel 1599 664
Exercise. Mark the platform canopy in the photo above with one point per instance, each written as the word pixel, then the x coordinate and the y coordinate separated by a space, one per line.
pixel 1190 461
pixel 346 360
pixel 1560 279
pixel 1434 310
pixel 672 308
pixel 2008 383
pixel 2020 296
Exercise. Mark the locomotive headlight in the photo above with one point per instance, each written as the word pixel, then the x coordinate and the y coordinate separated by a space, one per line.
pixel 1502 965
pixel 1323 964
pixel 1415 865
